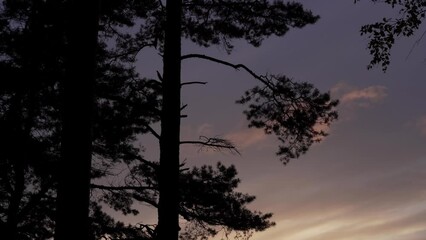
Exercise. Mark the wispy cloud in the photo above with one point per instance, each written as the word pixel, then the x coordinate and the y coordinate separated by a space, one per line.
pixel 246 137
pixel 421 125
pixel 205 129
pixel 370 94
pixel 388 204
pixel 360 97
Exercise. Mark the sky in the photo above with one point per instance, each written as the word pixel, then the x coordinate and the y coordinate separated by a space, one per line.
pixel 367 179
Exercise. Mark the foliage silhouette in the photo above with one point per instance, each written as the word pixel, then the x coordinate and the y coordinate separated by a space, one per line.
pixel 209 202
pixel 28 122
pixel 211 22
pixel 126 107
pixel 31 109
pixel 383 34
pixel 291 111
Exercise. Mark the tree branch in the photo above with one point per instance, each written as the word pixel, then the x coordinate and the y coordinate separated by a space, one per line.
pixel 137 188
pixel 235 66
pixel 120 188
pixel 215 143
pixel 159 76
pixel 149 163
pixel 188 83
pixel 152 131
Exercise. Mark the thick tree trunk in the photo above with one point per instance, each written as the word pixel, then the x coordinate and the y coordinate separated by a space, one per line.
pixel 168 216
pixel 74 178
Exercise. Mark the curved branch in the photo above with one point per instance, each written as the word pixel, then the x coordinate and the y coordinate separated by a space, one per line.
pixel 235 66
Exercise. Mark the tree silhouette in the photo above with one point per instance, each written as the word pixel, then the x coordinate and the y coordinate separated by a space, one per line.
pixel 28 119
pixel 218 22
pixel 35 60
pixel 209 202
pixel 76 146
pixel 383 34
pixel 126 105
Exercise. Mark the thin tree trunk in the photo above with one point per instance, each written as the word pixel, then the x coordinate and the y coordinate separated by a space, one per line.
pixel 168 215
pixel 74 178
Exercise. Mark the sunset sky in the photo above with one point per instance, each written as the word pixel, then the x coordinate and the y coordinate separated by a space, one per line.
pixel 367 179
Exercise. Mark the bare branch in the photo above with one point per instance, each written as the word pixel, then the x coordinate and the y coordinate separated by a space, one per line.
pixel 159 76
pixel 121 188
pixel 217 144
pixel 188 83
pixel 416 43
pixel 235 66
pixel 152 131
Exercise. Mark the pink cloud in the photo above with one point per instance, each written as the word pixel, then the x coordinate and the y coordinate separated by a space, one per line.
pixel 321 127
pixel 246 137
pixel 369 94
pixel 421 125
pixel 353 96
pixel 205 129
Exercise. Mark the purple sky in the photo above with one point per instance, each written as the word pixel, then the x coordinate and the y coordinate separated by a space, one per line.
pixel 367 179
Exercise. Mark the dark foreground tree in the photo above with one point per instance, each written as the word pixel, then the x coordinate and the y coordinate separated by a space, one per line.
pixel 168 209
pixel 28 121
pixel 81 31
pixel 127 105
pixel 47 66
pixel 214 22
pixel 208 204
pixel 383 34
pixel 39 48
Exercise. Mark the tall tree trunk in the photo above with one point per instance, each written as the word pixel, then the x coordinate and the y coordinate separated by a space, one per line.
pixel 168 215
pixel 15 200
pixel 74 178
pixel 17 156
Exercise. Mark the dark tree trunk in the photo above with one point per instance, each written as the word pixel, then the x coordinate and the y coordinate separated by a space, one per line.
pixel 15 200
pixel 17 137
pixel 168 216
pixel 74 178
